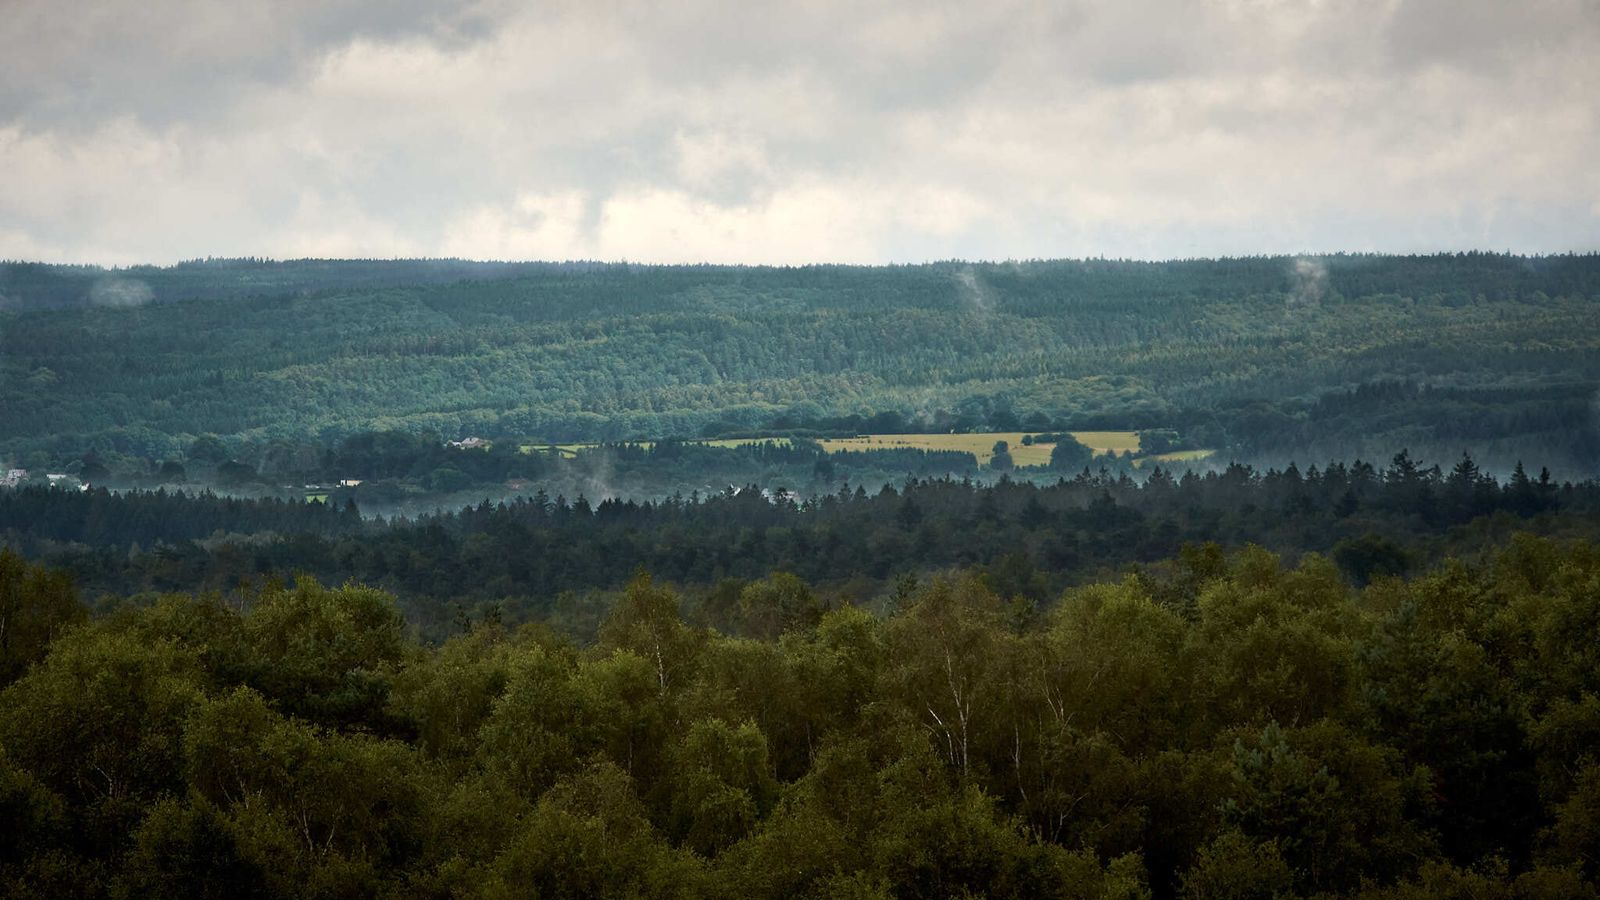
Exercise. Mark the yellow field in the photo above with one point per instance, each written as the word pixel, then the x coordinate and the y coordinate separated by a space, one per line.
pixel 981 444
pixel 1108 441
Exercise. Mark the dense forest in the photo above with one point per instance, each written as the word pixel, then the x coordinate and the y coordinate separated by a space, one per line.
pixel 398 472
pixel 1228 726
pixel 558 559
pixel 1265 359
pixel 271 626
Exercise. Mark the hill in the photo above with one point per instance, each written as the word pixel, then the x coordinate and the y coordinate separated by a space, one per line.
pixel 1336 355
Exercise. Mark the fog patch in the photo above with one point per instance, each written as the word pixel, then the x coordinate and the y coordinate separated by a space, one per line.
pixel 120 293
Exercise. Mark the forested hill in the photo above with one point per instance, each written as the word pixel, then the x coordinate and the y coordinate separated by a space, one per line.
pixel 256 351
pixel 33 286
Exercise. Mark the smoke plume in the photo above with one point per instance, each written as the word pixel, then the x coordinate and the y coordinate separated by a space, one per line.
pixel 120 293
pixel 974 292
pixel 1308 283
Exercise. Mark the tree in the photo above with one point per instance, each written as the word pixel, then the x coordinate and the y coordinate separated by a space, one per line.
pixel 1068 454
pixel 646 621
pixel 325 654
pixel 1158 440
pixel 781 602
pixel 100 721
pixel 1001 460
pixel 208 448
pixel 36 606
pixel 1370 556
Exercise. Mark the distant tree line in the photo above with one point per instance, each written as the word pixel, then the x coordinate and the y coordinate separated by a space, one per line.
pixel 544 557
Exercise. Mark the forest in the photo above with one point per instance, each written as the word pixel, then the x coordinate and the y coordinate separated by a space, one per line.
pixel 1265 359
pixel 1221 725
pixel 272 625
pixel 559 560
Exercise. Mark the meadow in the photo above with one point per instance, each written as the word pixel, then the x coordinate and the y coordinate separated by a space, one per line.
pixel 1177 456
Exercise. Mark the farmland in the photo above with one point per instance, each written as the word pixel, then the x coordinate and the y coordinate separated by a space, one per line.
pixel 981 444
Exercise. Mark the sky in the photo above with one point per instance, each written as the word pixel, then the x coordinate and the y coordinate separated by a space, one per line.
pixel 733 131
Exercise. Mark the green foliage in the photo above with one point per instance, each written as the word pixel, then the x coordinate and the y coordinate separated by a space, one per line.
pixel 646 622
pixel 325 654
pixel 36 605
pixel 1001 460
pixel 781 602
pixel 1226 726
pixel 1069 454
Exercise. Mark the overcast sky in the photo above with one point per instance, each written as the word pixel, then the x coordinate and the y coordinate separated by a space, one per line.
pixel 739 131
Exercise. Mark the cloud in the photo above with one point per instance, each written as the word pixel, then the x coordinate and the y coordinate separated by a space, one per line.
pixel 866 131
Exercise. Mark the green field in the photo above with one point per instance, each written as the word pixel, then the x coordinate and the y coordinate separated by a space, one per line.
pixel 1178 456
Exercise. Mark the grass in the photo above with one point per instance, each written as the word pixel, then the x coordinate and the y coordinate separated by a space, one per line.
pixel 1177 456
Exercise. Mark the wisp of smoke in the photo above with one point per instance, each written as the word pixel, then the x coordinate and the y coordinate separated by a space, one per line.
pixel 1308 283
pixel 975 292
pixel 120 292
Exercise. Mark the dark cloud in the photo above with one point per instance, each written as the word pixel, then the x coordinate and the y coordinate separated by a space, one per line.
pixel 164 61
pixel 1489 34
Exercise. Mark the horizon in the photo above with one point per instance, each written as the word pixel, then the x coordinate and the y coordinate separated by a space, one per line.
pixel 710 263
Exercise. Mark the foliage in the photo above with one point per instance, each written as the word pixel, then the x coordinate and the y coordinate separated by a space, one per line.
pixel 1223 726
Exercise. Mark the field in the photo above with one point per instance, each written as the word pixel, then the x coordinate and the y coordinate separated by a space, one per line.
pixel 1177 457
pixel 981 444
pixel 571 450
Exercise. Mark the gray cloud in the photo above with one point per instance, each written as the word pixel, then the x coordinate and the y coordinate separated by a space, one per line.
pixel 833 130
